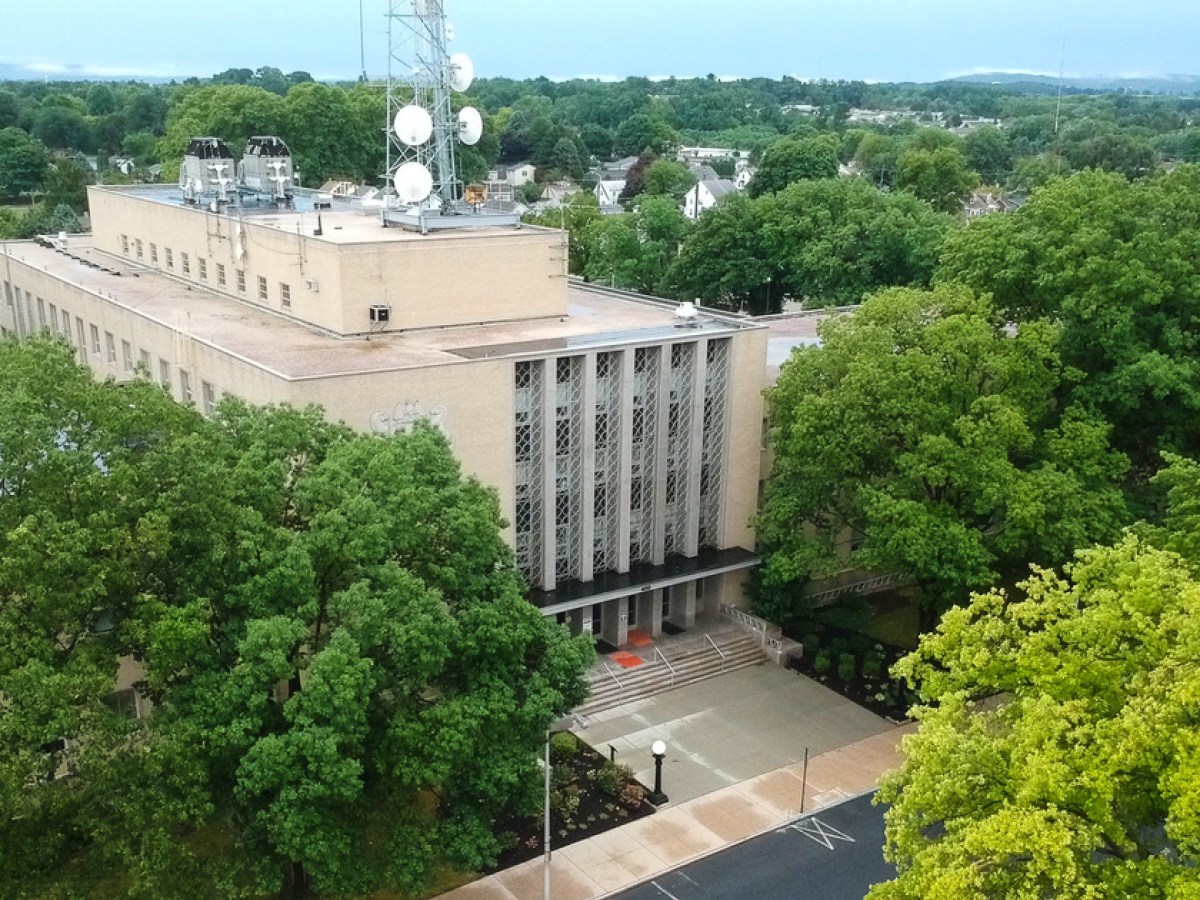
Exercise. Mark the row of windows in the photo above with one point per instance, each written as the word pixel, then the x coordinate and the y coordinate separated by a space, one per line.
pixel 185 268
pixel 86 337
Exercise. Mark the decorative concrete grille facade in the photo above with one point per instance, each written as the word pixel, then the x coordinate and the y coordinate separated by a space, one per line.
pixel 631 470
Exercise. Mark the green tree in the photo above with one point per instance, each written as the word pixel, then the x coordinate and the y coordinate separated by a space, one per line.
pixel 612 252
pixel 347 682
pixel 793 159
pixel 939 177
pixel 67 185
pixel 832 241
pixel 576 214
pixel 24 163
pixel 1118 265
pixel 667 178
pixel 230 112
pixel 61 128
pixel 646 131
pixel 568 158
pixel 878 156
pixel 929 433
pixel 1058 748
pixel 1125 154
pixel 661 230
pixel 724 261
pixel 988 153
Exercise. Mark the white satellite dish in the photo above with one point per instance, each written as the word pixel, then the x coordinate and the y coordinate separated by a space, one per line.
pixel 413 125
pixel 462 72
pixel 413 182
pixel 470 125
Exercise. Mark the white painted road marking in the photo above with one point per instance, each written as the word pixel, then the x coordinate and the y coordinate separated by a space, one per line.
pixel 818 831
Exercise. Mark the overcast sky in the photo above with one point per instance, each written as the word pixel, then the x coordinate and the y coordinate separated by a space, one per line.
pixel 888 40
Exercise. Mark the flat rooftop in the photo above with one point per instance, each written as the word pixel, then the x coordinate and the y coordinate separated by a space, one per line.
pixel 788 331
pixel 296 351
pixel 346 221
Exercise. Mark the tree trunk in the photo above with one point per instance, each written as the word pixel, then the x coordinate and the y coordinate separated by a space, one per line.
pixel 298 887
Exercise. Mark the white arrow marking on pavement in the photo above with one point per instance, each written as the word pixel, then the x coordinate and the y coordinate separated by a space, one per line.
pixel 662 890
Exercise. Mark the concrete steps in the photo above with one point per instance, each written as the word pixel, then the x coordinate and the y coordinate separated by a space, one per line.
pixel 612 685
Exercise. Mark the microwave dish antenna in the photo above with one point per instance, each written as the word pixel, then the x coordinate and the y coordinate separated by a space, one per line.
pixel 413 125
pixel 423 129
pixel 413 182
pixel 462 72
pixel 470 125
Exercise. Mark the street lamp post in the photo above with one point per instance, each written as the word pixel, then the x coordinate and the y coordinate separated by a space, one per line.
pixel 658 750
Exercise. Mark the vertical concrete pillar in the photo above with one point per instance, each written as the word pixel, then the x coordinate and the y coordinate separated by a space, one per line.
pixel 683 605
pixel 691 537
pixel 587 530
pixel 649 612
pixel 576 622
pixel 615 622
pixel 549 472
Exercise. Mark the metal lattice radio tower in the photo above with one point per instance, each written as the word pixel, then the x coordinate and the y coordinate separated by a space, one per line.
pixel 425 189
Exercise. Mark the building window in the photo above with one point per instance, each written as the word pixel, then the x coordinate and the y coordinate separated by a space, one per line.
pixel 285 295
pixel 262 288
pixel 125 244
pixel 126 356
pixel 185 386
pixel 220 274
pixel 185 264
pixel 82 340
pixel 241 281
pixel 41 308
pixel 111 343
pixel 54 317
pixel 154 253
pixel 137 248
pixel 66 325
pixel 164 373
pixel 8 293
pixel 95 339
pixel 210 398
pixel 169 257
pixel 144 361
pixel 202 268
pixel 123 703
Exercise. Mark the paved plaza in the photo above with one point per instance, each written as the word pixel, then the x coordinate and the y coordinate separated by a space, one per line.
pixel 733 771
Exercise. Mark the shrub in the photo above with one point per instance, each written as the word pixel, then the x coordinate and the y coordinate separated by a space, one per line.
pixel 565 801
pixel 631 795
pixel 821 662
pixel 610 778
pixel 811 644
pixel 872 666
pixel 563 747
pixel 847 667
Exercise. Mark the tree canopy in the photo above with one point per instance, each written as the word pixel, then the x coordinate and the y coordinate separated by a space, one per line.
pixel 927 438
pixel 1117 264
pixel 345 683
pixel 1058 747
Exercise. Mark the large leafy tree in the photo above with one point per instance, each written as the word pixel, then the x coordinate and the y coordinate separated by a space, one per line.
pixel 24 163
pixel 928 437
pixel 1058 746
pixel 835 240
pixel 939 177
pixel 793 159
pixel 347 684
pixel 1117 264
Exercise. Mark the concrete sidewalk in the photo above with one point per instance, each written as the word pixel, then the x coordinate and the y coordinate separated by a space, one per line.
pixel 680 833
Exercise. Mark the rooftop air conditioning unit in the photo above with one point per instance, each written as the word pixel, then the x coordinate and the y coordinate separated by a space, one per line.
pixel 380 313
pixel 312 284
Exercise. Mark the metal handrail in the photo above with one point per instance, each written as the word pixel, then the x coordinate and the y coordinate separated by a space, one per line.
pixel 613 676
pixel 720 652
pixel 666 663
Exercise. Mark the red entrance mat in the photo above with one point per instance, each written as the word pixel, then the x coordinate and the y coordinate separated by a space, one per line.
pixel 625 660
pixel 639 638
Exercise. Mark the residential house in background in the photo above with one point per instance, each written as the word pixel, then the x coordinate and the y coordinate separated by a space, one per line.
pixel 608 194
pixel 704 195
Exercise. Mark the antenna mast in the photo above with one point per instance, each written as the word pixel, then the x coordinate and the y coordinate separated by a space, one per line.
pixel 425 191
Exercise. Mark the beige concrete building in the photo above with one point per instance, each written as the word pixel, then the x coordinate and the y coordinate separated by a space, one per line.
pixel 623 443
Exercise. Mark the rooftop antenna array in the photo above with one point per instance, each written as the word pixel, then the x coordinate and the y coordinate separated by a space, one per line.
pixel 422 127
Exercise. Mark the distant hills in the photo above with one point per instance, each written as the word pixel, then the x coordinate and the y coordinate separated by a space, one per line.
pixel 1158 84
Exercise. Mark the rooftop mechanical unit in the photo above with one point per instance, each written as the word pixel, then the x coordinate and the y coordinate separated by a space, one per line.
pixel 208 172
pixel 267 167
